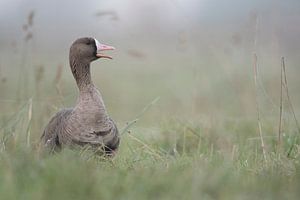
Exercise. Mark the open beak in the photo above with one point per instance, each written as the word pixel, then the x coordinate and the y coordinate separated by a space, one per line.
pixel 101 48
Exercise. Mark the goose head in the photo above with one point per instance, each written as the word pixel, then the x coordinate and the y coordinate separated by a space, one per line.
pixel 89 49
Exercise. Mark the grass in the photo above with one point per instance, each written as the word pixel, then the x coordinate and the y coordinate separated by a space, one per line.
pixel 178 160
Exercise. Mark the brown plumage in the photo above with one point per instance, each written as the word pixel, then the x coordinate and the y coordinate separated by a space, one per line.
pixel 88 122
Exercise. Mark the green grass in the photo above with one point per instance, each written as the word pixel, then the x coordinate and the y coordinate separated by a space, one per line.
pixel 176 160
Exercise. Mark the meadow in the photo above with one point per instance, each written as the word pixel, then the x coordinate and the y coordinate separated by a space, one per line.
pixel 196 122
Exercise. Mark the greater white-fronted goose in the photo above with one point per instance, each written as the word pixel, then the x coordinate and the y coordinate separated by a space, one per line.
pixel 88 122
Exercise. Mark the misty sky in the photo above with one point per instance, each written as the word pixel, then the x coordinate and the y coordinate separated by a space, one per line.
pixel 155 25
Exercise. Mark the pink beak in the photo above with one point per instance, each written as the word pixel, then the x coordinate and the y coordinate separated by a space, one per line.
pixel 103 47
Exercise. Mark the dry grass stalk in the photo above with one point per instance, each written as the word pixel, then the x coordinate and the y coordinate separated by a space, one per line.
pixel 151 151
pixel 58 75
pixel 2 78
pixel 127 127
pixel 27 28
pixel 285 85
pixel 137 117
pixel 234 149
pixel 255 68
pixel 30 18
pixel 281 105
pixel 57 80
pixel 288 94
pixel 39 76
pixel 28 131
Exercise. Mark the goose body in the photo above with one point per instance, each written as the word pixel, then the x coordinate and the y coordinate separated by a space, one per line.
pixel 88 122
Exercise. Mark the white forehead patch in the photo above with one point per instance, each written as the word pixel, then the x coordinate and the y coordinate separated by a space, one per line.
pixel 98 45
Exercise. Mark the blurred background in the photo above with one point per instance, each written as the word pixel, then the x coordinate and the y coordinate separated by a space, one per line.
pixel 195 57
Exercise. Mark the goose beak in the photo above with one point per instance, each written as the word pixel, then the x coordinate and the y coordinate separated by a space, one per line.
pixel 101 48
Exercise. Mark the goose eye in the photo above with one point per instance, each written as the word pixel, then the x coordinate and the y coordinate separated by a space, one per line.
pixel 88 43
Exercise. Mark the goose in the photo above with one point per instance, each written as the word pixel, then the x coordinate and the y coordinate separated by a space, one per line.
pixel 88 122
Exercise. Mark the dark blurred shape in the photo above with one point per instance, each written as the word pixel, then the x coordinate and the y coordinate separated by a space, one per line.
pixel 236 39
pixel 28 36
pixel 30 18
pixel 108 13
pixel 136 54
pixel 3 80
pixel 27 27
pixel 39 73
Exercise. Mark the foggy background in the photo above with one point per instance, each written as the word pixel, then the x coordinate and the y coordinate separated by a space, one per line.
pixel 196 55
